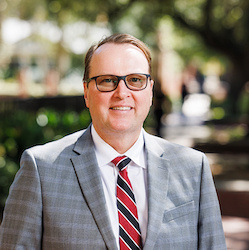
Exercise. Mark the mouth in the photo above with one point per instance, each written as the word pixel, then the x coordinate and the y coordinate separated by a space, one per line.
pixel 121 108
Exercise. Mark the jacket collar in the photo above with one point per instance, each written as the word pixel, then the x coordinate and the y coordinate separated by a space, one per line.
pixel 158 177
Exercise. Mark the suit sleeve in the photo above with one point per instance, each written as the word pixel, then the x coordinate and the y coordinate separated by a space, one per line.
pixel 21 227
pixel 211 235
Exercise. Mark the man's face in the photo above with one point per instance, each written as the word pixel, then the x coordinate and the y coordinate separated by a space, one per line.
pixel 122 110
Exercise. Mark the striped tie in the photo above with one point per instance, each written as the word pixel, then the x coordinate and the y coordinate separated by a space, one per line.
pixel 129 231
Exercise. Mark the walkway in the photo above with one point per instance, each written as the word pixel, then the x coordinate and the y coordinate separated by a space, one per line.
pixel 236 232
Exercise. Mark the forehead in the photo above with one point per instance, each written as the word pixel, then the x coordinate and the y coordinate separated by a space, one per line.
pixel 120 58
pixel 116 47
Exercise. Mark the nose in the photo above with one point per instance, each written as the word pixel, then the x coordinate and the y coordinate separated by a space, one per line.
pixel 121 91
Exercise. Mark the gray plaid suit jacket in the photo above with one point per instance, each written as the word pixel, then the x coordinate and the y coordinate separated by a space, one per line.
pixel 57 202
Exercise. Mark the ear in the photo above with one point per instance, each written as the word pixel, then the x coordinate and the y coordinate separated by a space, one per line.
pixel 151 90
pixel 86 93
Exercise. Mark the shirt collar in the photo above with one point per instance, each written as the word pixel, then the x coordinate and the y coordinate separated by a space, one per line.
pixel 105 153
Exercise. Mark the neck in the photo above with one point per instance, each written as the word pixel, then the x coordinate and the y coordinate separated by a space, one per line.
pixel 121 142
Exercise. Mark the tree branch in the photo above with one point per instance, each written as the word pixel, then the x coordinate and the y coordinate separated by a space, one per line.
pixel 222 41
pixel 208 11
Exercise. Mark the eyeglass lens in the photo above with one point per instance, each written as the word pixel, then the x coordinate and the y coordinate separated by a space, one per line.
pixel 110 82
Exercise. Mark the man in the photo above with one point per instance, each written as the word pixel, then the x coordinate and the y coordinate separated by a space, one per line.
pixel 75 193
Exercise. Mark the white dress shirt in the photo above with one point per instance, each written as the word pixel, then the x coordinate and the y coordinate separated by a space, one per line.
pixel 137 175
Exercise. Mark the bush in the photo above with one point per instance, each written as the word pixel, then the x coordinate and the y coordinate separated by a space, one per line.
pixel 23 129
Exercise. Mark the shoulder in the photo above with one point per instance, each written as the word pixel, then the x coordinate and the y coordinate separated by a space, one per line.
pixel 173 152
pixel 161 145
pixel 52 150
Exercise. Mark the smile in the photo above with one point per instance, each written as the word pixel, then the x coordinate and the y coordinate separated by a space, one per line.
pixel 121 108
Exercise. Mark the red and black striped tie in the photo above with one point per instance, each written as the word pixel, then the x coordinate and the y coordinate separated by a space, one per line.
pixel 129 231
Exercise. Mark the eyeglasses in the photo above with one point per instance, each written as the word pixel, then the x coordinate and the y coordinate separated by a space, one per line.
pixel 108 83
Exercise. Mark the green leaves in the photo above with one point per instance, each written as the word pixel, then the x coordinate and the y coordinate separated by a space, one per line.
pixel 21 129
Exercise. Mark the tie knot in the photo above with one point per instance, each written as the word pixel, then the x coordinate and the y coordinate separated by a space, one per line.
pixel 121 162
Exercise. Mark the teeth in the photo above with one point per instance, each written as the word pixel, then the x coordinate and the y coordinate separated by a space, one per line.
pixel 121 108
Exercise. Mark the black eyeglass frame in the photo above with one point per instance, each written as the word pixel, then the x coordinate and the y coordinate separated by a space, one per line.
pixel 119 79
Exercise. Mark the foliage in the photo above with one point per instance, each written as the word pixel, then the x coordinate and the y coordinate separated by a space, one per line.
pixel 21 130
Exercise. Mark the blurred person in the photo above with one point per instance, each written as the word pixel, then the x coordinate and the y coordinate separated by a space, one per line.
pixel 52 81
pixel 113 185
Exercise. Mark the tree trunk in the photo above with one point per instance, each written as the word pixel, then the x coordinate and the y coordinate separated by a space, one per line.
pixel 239 75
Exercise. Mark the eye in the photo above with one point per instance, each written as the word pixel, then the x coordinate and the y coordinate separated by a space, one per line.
pixel 135 79
pixel 107 80
pixel 104 80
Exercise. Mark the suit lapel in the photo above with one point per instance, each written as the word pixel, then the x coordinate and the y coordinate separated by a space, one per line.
pixel 158 174
pixel 88 175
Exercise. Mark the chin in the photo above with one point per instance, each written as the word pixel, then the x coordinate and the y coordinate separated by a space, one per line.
pixel 121 129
